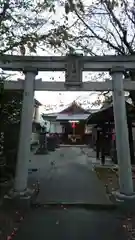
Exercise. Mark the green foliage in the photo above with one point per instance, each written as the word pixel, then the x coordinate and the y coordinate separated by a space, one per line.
pixel 23 27
pixel 11 110
pixel 10 115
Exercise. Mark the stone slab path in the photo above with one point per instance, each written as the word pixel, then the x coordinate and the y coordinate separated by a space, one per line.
pixel 71 224
pixel 66 176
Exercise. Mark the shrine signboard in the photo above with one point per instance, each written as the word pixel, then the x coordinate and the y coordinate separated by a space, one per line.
pixel 73 73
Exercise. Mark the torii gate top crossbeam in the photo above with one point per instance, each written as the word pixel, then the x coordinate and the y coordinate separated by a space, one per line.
pixel 101 63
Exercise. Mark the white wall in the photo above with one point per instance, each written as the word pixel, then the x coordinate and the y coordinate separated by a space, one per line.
pixel 34 137
pixel 37 117
pixel 47 124
pixel 52 127
pixel 36 114
pixel 58 127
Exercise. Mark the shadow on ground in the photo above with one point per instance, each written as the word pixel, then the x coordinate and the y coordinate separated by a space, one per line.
pixel 72 224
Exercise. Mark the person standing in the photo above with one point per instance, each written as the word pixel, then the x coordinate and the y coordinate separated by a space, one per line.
pixel 103 142
pixel 100 146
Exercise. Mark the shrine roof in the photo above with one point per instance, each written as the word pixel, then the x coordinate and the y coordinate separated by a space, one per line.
pixel 106 114
pixel 49 116
pixel 74 108
pixel 73 112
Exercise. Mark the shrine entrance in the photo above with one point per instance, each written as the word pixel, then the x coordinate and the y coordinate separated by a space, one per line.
pixel 74 132
pixel 73 65
pixel 73 120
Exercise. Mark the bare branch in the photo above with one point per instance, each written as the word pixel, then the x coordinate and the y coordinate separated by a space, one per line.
pixel 117 22
pixel 96 35
pixel 109 32
pixel 115 28
pixel 126 11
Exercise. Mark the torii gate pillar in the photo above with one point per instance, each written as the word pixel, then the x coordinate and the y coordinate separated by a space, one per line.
pixel 25 133
pixel 122 139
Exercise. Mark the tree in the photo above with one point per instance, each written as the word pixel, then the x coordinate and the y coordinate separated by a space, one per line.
pixel 25 23
pixel 25 27
pixel 11 104
pixel 102 27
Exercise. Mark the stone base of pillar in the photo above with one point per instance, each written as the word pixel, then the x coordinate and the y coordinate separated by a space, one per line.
pixel 19 200
pixel 42 151
pixel 123 197
pixel 24 194
pixel 125 202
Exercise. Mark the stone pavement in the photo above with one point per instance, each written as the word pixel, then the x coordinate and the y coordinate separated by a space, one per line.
pixel 92 155
pixel 67 176
pixel 71 224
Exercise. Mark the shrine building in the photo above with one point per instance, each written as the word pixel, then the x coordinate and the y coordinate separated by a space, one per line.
pixel 70 124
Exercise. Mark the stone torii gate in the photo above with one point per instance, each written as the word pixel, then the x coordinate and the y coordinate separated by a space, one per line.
pixel 73 67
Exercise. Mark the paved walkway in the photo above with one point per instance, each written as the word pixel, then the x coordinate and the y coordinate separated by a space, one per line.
pixel 66 176
pixel 92 154
pixel 71 224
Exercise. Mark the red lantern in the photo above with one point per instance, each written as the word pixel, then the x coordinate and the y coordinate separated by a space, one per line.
pixel 73 125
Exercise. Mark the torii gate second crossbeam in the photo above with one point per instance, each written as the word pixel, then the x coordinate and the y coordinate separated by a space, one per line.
pixel 73 66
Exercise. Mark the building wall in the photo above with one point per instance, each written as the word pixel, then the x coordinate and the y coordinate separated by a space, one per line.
pixel 47 124
pixel 36 114
pixel 35 137
pixel 37 117
pixel 58 128
pixel 53 126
